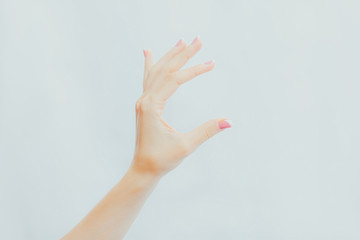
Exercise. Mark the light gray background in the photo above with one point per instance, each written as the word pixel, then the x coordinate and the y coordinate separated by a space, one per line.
pixel 286 74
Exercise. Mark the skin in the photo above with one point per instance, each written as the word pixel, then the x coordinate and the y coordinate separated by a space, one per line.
pixel 159 148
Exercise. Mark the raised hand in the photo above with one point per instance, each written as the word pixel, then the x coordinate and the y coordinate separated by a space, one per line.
pixel 159 147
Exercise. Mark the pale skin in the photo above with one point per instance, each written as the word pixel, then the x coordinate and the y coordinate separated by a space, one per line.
pixel 159 148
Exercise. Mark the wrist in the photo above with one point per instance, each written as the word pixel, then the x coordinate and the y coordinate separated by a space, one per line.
pixel 146 166
pixel 141 177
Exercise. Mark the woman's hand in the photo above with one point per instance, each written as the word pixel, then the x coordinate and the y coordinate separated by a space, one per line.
pixel 159 147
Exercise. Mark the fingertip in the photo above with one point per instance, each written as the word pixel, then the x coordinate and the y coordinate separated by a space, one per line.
pixel 180 42
pixel 182 45
pixel 200 42
pixel 149 53
pixel 209 65
pixel 210 62
pixel 225 123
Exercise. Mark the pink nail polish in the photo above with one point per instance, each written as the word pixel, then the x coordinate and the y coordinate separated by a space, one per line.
pixel 179 42
pixel 144 51
pixel 210 62
pixel 224 124
pixel 195 39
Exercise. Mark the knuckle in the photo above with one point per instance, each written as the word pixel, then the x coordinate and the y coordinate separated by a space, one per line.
pixel 145 104
pixel 137 104
pixel 177 81
pixel 176 78
pixel 196 72
pixel 145 107
pixel 172 68
pixel 205 133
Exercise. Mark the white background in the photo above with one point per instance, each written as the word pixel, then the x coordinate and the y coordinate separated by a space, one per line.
pixel 286 73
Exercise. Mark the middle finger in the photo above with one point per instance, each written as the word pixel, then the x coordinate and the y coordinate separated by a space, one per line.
pixel 180 59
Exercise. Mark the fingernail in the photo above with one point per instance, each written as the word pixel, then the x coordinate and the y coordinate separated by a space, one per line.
pixel 210 62
pixel 225 124
pixel 144 51
pixel 180 42
pixel 195 39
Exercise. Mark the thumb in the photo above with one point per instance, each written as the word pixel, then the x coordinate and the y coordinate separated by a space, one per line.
pixel 206 130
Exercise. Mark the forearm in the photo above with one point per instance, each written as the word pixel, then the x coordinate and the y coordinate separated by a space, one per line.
pixel 112 216
pixel 159 147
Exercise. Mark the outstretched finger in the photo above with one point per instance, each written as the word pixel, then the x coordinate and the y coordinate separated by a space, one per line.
pixel 168 88
pixel 187 74
pixel 179 47
pixel 148 64
pixel 181 59
pixel 205 131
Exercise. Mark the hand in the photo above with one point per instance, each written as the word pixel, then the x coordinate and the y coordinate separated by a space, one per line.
pixel 159 147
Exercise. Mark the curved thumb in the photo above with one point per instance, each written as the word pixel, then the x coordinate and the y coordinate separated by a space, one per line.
pixel 206 130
